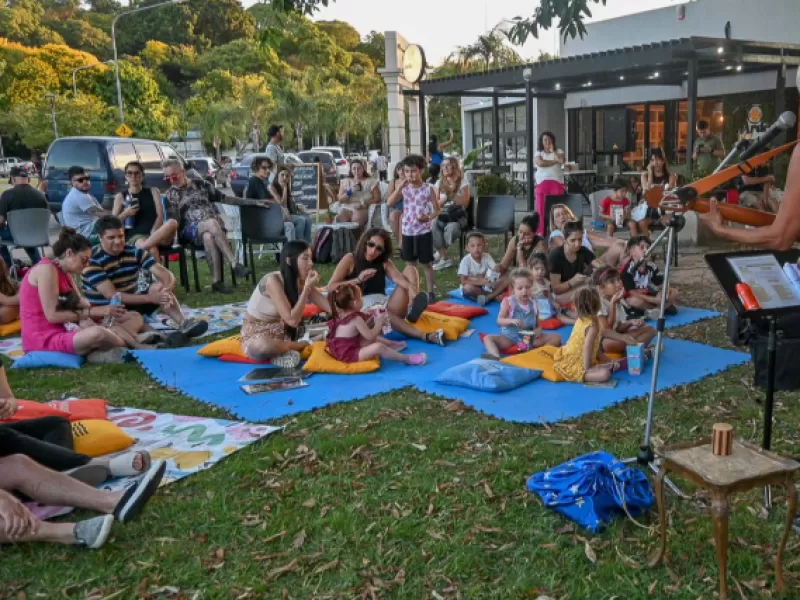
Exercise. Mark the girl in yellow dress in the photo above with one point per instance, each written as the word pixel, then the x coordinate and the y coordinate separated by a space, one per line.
pixel 578 360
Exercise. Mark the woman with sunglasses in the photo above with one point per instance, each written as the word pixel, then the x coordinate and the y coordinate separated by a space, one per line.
pixel 356 193
pixel 56 318
pixel 369 267
pixel 142 211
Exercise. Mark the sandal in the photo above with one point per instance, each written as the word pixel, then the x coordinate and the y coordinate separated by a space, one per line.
pixel 136 496
pixel 418 306
pixel 122 465
pixel 436 337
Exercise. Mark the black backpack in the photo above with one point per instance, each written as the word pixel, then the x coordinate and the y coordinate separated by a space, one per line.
pixel 323 245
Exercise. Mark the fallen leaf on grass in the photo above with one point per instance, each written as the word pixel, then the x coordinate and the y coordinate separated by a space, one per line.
pixel 488 490
pixel 215 560
pixel 652 588
pixel 165 540
pixel 272 538
pixel 278 571
pixel 487 529
pixel 590 553
pixel 435 535
pixel 311 503
pixel 326 567
pixel 299 540
pixel 420 447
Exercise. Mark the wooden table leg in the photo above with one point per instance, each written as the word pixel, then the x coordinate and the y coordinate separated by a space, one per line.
pixel 662 517
pixel 719 515
pixel 791 511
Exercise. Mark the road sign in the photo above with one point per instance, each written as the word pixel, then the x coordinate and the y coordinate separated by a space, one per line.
pixel 124 131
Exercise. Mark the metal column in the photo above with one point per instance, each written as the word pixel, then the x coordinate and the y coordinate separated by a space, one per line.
pixel 529 143
pixel 495 131
pixel 423 125
pixel 691 115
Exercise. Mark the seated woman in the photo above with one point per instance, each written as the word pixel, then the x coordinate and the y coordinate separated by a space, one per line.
pixel 48 441
pixel 275 309
pixel 453 193
pixel 369 267
pixel 570 264
pixel 18 473
pixel 561 214
pixel 281 190
pixel 657 174
pixel 356 193
pixel 9 296
pixel 524 245
pixel 56 318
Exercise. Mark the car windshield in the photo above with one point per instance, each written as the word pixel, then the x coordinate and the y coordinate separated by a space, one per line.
pixel 335 152
pixel 66 154
pixel 310 157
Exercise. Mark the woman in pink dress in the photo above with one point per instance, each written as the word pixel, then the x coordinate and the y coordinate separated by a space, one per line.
pixel 55 317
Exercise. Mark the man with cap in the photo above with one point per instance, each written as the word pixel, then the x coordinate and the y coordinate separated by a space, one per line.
pixel 784 231
pixel 275 151
pixel 19 197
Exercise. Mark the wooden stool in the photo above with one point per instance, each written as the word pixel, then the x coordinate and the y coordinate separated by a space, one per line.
pixel 746 468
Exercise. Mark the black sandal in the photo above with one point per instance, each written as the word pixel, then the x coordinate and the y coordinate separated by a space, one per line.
pixel 418 306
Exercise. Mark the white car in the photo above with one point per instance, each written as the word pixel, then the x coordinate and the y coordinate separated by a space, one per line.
pixel 6 164
pixel 342 165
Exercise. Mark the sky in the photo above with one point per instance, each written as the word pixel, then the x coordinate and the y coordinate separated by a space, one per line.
pixel 439 26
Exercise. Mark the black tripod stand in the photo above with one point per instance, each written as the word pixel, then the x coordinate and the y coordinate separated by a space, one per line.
pixel 646 457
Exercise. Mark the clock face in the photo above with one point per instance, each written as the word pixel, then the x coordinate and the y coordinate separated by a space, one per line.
pixel 413 63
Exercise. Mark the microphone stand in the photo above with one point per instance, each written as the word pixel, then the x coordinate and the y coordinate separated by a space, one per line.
pixel 646 457
pixel 740 146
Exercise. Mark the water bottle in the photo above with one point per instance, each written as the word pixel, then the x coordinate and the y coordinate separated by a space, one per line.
pixel 116 300
pixel 128 203
pixel 387 326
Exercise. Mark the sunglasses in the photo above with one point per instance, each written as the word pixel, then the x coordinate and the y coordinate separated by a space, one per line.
pixel 375 246
pixel 133 173
pixel 81 179
pixel 172 178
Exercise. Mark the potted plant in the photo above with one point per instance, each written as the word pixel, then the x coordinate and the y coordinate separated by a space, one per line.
pixel 492 185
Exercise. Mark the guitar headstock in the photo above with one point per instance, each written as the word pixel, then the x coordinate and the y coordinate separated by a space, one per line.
pixel 674 200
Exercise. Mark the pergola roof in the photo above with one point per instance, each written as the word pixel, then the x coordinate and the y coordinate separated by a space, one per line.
pixel 662 63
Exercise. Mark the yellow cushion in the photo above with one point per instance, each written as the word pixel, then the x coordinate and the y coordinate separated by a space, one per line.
pixel 322 362
pixel 453 326
pixel 11 328
pixel 96 437
pixel 540 359
pixel 231 345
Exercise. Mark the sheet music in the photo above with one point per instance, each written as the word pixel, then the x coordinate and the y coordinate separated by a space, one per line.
pixel 771 286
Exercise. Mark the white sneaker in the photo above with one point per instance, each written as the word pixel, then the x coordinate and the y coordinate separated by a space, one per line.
pixel 436 256
pixel 438 265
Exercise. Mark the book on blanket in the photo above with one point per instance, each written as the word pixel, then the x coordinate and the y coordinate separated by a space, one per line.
pixel 281 385
pixel 274 374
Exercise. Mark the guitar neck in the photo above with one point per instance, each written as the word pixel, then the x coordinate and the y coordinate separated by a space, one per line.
pixel 734 213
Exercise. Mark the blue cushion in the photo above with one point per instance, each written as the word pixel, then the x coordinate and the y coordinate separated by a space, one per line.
pixel 39 360
pixel 488 376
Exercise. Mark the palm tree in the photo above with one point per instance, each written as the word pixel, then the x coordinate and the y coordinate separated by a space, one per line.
pixel 295 106
pixel 490 47
pixel 221 124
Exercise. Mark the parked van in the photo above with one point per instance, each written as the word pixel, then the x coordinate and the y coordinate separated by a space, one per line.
pixel 104 159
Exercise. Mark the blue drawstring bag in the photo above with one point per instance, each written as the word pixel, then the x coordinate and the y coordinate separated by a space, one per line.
pixel 593 489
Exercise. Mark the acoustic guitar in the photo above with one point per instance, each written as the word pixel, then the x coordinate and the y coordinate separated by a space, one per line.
pixel 688 198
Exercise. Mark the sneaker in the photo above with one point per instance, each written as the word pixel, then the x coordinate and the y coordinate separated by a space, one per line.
pixel 287 360
pixel 437 257
pixel 417 359
pixel 193 328
pixel 150 337
pixel 482 300
pixel 176 339
pixel 93 533
pixel 220 288
pixel 114 356
pixel 418 306
pixel 447 263
pixel 139 494
pixel 652 314
pixel 437 265
pixel 241 271
pixel 437 337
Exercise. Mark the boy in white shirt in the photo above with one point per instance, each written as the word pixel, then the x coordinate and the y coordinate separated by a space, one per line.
pixel 480 276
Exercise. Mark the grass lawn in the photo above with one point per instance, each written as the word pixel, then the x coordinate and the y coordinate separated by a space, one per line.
pixel 405 495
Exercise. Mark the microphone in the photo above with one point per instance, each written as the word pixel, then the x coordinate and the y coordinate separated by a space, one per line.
pixel 784 122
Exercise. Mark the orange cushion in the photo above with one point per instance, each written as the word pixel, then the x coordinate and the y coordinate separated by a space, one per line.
pixel 552 323
pixel 541 359
pixel 28 409
pixel 509 350
pixel 457 310
pixel 310 310
pixel 80 409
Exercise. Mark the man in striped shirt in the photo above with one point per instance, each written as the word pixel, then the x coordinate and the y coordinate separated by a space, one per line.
pixel 143 285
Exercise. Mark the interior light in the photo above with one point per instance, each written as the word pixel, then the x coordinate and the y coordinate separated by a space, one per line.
pixel 729 68
pixel 738 67
pixel 558 86
pixel 588 84
pixel 622 77
pixel 655 75
pixel 720 50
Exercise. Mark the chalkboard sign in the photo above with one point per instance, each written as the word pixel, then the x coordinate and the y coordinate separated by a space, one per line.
pixel 306 185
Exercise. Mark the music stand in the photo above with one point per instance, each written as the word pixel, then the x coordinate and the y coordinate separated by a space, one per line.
pixel 727 279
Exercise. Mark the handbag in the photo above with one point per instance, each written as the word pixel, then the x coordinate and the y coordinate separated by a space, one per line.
pixel 453 214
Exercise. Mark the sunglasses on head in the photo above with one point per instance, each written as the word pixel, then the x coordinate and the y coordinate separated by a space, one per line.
pixel 81 179
pixel 377 247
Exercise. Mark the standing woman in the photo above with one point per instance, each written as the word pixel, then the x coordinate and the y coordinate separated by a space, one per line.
pixel 281 190
pixel 436 155
pixel 396 209
pixel 275 309
pixel 657 174
pixel 453 196
pixel 356 193
pixel 549 173
pixel 369 267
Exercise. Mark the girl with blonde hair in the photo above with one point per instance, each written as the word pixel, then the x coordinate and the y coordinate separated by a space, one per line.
pixel 453 197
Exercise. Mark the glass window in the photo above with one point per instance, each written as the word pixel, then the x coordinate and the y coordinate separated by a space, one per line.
pixel 508 120
pixel 149 155
pixel 123 154
pixel 65 154
pixel 636 156
pixel 487 121
pixel 169 153
pixel 477 123
pixel 520 115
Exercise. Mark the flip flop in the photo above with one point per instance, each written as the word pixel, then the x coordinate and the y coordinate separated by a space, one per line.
pixel 122 465
pixel 418 306
pixel 92 475
pixel 135 497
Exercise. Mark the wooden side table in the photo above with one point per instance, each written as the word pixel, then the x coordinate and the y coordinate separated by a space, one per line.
pixel 746 468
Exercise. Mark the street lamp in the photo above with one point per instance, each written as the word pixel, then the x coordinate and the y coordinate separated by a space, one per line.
pixel 52 98
pixel 81 68
pixel 114 44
